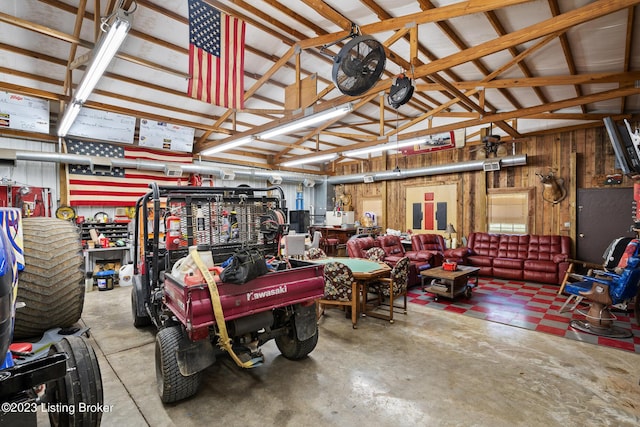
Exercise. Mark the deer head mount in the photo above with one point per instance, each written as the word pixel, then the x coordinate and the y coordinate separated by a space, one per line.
pixel 553 190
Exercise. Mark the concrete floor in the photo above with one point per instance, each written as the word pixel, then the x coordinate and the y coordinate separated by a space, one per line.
pixel 430 368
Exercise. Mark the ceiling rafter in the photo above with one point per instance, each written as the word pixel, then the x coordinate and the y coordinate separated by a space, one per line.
pixel 549 26
pixel 523 113
pixel 461 45
pixel 515 52
pixel 566 49
pixel 627 47
pixel 438 62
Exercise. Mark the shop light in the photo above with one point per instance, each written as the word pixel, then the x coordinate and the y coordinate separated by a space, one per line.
pixel 228 145
pixel 388 146
pixel 307 121
pixel 316 159
pixel 103 53
pixel 70 114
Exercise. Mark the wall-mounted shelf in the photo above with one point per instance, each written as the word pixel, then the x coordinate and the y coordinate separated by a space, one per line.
pixel 111 230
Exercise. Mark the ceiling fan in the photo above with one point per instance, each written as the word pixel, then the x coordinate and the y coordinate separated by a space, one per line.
pixel 358 65
pixel 493 145
pixel 401 91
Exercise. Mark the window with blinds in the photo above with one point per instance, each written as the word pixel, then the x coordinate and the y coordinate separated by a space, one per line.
pixel 508 212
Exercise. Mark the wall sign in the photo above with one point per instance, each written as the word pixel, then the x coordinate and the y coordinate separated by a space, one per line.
pixel 166 136
pixel 104 125
pixel 24 113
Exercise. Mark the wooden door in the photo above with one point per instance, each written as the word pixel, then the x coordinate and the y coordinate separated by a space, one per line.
pixel 603 214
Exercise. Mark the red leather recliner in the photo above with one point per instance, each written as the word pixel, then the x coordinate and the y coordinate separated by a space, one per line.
pixel 358 246
pixel 434 244
pixel 394 251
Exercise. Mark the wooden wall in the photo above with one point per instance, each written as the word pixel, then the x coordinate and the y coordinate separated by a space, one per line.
pixel 582 158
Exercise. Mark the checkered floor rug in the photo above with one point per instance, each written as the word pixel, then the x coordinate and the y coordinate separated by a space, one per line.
pixel 527 305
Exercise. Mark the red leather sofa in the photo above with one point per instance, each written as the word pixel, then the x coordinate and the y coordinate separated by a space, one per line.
pixel 392 246
pixel 434 244
pixel 529 257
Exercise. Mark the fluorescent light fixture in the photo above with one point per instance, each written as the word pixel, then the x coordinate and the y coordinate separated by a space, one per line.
pixel 227 145
pixel 316 159
pixel 70 114
pixel 103 53
pixel 307 121
pixel 388 146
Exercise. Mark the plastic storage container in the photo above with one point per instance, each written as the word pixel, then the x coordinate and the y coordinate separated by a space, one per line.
pixel 125 275
pixel 104 279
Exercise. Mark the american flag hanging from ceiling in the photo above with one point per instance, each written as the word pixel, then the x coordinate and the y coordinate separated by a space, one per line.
pixel 120 186
pixel 216 56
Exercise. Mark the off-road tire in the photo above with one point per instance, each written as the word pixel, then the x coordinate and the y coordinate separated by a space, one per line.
pixel 172 385
pixel 138 321
pixel 294 349
pixel 52 283
pixel 81 386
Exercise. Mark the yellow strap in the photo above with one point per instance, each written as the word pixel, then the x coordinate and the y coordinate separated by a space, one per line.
pixel 223 336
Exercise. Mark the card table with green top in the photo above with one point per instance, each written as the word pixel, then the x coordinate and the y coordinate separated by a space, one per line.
pixel 364 271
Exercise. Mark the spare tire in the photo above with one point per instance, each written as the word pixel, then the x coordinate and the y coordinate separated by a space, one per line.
pixel 52 282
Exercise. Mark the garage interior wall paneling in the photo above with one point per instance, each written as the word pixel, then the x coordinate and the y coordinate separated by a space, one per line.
pixel 594 159
pixel 36 174
pixel 590 148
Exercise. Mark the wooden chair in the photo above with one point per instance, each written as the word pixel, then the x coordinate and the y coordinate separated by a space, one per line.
pixel 315 253
pixel 393 287
pixel 375 254
pixel 340 289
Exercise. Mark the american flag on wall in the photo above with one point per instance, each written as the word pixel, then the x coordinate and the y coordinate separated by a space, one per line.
pixel 121 186
pixel 216 56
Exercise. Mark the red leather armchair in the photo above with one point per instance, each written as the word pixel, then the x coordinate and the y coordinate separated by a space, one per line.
pixel 358 246
pixel 394 251
pixel 434 244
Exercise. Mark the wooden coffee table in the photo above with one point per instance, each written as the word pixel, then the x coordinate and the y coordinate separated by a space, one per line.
pixel 449 283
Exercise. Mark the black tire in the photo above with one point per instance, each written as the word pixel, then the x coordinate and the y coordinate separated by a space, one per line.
pixel 294 349
pixel 80 389
pixel 172 385
pixel 52 283
pixel 138 321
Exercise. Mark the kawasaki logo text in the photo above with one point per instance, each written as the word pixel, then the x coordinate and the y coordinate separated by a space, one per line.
pixel 252 296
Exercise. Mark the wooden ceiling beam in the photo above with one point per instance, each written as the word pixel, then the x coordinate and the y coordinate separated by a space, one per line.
pixel 559 23
pixel 515 52
pixel 433 15
pixel 68 81
pixel 319 128
pixel 329 13
pixel 566 49
pixel 507 115
pixel 591 78
pixel 414 48
pixel 627 48
pixel 461 45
